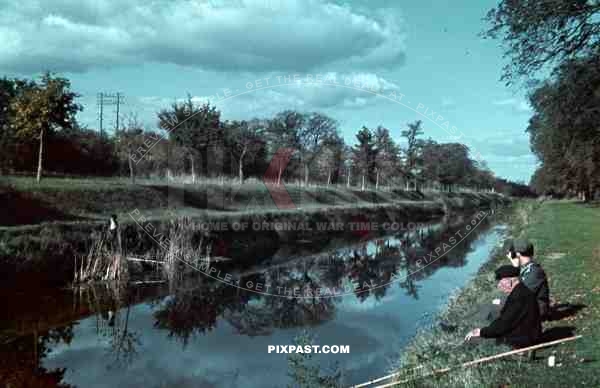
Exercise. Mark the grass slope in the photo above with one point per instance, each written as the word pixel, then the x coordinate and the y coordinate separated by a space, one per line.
pixel 71 200
pixel 566 236
pixel 46 225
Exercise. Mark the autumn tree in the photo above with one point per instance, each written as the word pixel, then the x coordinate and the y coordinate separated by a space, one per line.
pixel 317 129
pixel 127 141
pixel 7 138
pixel 541 34
pixel 364 154
pixel 283 132
pixel 196 129
pixel 245 140
pixel 387 160
pixel 413 160
pixel 329 159
pixel 448 164
pixel 564 130
pixel 43 108
pixel 347 164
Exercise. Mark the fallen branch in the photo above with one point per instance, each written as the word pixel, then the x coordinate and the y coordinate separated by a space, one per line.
pixel 146 260
pixel 139 282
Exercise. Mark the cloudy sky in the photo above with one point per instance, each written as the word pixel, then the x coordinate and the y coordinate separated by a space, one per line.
pixel 364 62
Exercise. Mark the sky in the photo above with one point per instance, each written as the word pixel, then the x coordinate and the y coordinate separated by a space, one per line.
pixel 363 62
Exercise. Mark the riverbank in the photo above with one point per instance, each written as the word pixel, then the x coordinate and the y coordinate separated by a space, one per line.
pixel 47 225
pixel 566 239
pixel 63 200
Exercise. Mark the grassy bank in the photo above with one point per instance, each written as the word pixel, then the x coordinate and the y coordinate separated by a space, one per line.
pixel 71 200
pixel 566 236
pixel 46 225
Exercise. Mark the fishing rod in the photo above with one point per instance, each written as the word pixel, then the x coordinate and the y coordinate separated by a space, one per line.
pixel 463 365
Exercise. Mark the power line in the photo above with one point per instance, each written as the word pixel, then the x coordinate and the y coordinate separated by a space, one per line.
pixel 109 99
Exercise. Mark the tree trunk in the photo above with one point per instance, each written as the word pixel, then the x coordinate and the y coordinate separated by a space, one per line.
pixel 362 187
pixel 131 171
pixel 377 181
pixel 589 194
pixel 40 156
pixel 193 170
pixel 348 180
pixel 279 174
pixel 241 167
pixel 328 177
pixel 241 172
pixel 306 175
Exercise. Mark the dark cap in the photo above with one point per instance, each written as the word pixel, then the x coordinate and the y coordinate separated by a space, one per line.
pixel 508 245
pixel 524 247
pixel 506 271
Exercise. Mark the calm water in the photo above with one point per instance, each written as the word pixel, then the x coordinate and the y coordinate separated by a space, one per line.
pixel 201 332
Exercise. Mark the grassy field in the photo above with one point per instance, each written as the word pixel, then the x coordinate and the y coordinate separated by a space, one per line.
pixel 566 236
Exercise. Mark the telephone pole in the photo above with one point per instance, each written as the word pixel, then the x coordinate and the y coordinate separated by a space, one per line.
pixel 108 99
pixel 118 96
pixel 100 103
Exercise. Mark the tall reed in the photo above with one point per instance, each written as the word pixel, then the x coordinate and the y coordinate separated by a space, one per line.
pixel 104 261
pixel 183 254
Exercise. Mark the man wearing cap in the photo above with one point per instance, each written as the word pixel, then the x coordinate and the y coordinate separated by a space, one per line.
pixel 532 275
pixel 520 254
pixel 519 321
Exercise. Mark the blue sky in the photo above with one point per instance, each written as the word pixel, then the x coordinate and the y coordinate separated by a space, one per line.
pixel 156 52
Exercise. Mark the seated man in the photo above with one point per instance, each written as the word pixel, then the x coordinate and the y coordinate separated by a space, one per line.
pixel 530 273
pixel 519 323
pixel 533 276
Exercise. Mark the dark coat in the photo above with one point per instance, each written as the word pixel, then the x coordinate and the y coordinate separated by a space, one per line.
pixel 534 277
pixel 519 322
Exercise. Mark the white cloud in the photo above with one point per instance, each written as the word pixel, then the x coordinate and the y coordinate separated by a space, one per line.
pixel 351 91
pixel 242 35
pixel 518 105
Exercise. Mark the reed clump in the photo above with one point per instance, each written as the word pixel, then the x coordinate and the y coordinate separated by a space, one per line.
pixel 188 245
pixel 104 261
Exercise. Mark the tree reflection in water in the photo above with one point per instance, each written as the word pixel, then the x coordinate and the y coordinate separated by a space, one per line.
pixel 21 359
pixel 195 305
pixel 32 334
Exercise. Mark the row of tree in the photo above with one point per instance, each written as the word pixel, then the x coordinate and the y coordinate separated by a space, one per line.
pixel 562 37
pixel 39 131
pixel 565 130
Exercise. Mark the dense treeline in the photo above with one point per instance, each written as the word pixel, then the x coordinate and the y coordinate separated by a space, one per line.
pixel 564 37
pixel 39 131
pixel 565 130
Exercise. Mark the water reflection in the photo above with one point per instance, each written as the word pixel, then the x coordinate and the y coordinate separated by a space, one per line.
pixel 192 307
pixel 20 360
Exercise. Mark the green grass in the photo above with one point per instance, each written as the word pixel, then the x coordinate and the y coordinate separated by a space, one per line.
pixel 566 236
pixel 93 199
pixel 44 226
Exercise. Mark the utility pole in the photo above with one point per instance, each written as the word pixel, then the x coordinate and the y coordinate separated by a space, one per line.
pixel 118 103
pixel 100 103
pixel 109 99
